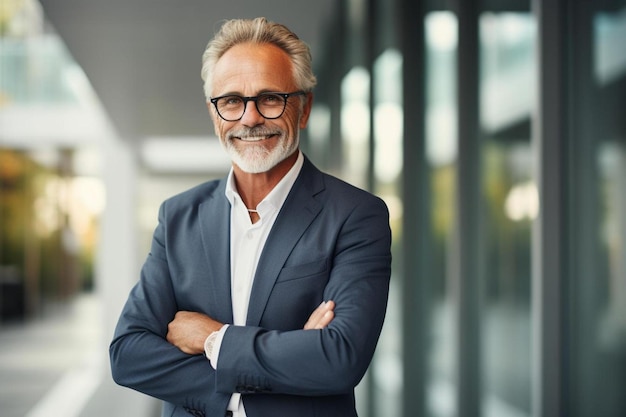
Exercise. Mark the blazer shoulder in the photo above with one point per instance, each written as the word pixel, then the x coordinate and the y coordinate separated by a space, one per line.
pixel 341 190
pixel 331 191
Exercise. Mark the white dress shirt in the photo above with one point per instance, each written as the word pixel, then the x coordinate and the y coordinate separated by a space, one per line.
pixel 246 243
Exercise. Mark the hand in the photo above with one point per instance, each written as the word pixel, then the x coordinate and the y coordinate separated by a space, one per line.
pixel 321 317
pixel 189 330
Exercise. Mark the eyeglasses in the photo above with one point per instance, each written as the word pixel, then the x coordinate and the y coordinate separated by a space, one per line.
pixel 231 107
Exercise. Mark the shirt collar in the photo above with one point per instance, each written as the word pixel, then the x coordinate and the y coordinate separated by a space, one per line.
pixel 277 196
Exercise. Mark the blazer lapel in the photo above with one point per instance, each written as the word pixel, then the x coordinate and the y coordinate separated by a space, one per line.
pixel 214 222
pixel 295 216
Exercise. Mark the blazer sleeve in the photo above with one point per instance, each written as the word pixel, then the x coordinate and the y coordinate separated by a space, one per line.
pixel 333 360
pixel 141 357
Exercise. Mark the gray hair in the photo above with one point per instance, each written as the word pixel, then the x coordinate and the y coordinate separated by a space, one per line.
pixel 259 31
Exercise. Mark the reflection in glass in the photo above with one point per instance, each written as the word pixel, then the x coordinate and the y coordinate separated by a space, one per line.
pixel 511 204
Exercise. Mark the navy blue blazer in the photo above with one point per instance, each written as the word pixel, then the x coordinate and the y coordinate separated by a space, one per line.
pixel 331 241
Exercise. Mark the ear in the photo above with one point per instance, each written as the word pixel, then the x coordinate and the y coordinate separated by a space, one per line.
pixel 306 110
pixel 214 117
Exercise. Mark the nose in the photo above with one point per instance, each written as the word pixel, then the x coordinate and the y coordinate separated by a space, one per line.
pixel 251 116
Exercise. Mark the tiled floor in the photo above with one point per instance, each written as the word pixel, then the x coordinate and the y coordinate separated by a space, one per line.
pixel 56 365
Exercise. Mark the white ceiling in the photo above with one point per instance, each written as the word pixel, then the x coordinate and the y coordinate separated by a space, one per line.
pixel 142 57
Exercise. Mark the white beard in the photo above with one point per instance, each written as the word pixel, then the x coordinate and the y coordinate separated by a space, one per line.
pixel 255 159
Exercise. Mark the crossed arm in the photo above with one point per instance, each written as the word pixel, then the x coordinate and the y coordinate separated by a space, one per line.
pixel 189 329
pixel 149 351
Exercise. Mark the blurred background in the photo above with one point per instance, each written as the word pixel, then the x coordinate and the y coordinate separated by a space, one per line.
pixel 494 130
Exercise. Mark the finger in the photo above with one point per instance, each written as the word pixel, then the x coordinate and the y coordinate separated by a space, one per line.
pixel 319 312
pixel 325 320
pixel 315 316
pixel 319 316
pixel 328 315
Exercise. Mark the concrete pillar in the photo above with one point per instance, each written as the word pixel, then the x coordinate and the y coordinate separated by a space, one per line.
pixel 117 266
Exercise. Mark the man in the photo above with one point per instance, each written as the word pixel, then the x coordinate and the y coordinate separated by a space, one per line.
pixel 264 293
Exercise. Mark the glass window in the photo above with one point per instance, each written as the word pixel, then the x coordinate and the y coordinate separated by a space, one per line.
pixel 510 204
pixel 388 113
pixel 441 153
pixel 355 125
pixel 597 307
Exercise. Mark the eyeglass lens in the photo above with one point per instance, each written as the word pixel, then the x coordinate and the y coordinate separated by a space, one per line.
pixel 271 106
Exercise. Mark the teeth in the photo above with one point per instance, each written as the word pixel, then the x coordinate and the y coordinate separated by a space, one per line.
pixel 254 138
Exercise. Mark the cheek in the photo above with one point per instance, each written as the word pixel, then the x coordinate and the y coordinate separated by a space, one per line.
pixel 220 127
pixel 216 129
pixel 294 122
pixel 215 121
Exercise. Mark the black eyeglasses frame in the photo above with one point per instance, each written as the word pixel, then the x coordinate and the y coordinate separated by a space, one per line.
pixel 255 99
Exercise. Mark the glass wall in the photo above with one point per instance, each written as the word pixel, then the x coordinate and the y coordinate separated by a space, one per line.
pixel 507 68
pixel 441 150
pixel 597 327
pixel 387 169
pixel 590 340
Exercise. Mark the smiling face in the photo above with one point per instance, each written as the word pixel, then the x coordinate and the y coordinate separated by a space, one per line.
pixel 256 144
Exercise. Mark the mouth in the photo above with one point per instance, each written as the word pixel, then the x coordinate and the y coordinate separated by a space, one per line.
pixel 254 138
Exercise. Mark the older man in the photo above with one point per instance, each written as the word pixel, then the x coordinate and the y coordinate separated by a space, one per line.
pixel 264 293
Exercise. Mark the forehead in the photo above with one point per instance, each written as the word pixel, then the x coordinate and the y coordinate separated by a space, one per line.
pixel 249 68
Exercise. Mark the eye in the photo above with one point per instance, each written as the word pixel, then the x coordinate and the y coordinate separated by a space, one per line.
pixel 230 101
pixel 270 100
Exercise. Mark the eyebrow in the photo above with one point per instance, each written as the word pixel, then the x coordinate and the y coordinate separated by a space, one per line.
pixel 236 93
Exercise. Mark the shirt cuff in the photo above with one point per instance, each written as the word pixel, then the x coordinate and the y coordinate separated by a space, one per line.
pixel 212 345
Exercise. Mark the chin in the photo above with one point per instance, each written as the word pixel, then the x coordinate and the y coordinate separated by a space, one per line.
pixel 259 159
pixel 258 163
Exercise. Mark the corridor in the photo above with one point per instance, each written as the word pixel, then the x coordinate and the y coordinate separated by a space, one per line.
pixel 56 365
